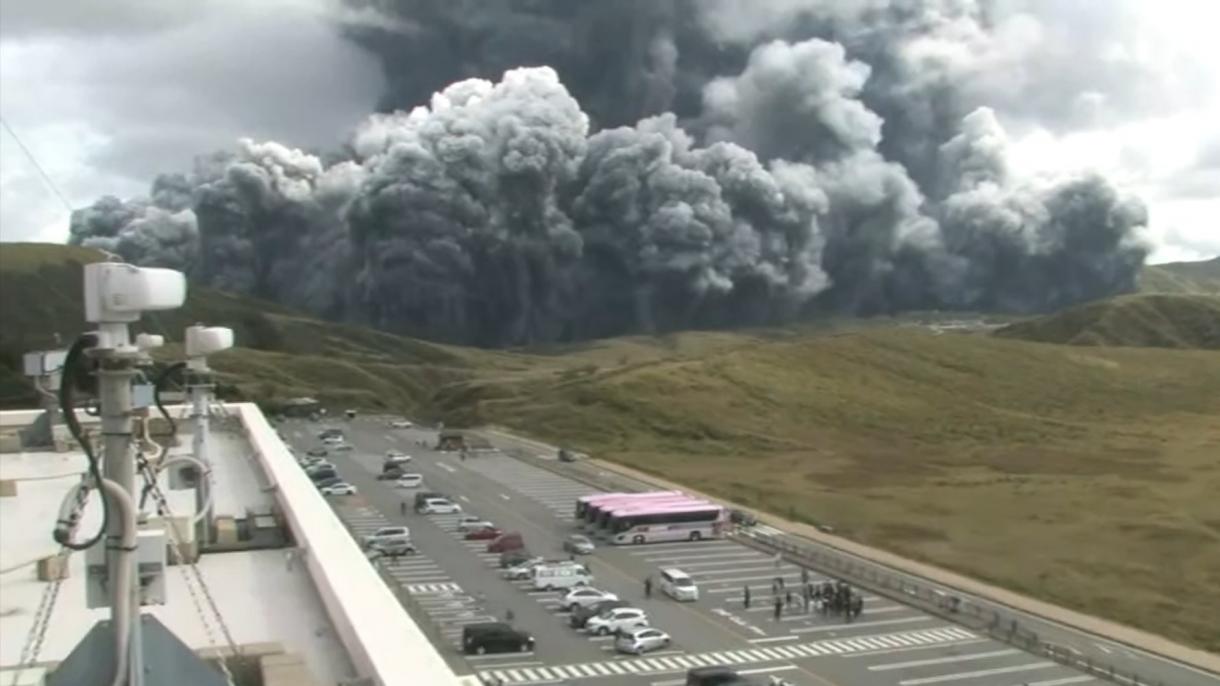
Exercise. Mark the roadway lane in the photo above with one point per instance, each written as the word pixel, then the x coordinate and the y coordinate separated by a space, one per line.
pixel 890 645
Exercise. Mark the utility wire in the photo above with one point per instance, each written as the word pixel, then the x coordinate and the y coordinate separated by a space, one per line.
pixel 30 156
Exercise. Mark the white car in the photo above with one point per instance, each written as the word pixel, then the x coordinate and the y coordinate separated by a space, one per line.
pixel 409 481
pixel 387 534
pixel 440 506
pixel 469 523
pixel 341 488
pixel 522 571
pixel 401 424
pixel 332 440
pixel 618 620
pixel 584 597
pixel 396 457
pixel 640 641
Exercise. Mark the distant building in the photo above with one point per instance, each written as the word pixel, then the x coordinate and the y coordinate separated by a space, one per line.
pixel 300 407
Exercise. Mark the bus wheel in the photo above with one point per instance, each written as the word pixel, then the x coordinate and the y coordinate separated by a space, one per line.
pixel 695 535
pixel 638 540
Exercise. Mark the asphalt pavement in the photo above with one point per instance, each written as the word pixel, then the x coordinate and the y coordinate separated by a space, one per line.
pixel 453 582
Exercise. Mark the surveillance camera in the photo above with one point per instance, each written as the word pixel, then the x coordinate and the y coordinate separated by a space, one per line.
pixel 119 293
pixel 206 340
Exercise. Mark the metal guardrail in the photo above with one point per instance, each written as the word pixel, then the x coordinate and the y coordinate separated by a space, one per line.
pixel 1008 627
pixel 1002 626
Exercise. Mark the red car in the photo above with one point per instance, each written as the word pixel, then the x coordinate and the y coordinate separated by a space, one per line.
pixel 485 533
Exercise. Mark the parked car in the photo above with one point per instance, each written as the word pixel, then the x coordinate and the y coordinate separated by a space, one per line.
pixel 483 533
pixel 321 474
pixel 440 506
pixel 422 497
pixel 640 641
pixel 522 571
pixel 560 575
pixel 391 474
pixel 322 464
pixel 468 522
pixel 512 558
pixel 505 542
pixel 718 675
pixel 316 452
pixel 396 457
pixel 495 637
pixel 386 534
pixel 330 433
pixel 581 615
pixel 329 482
pixel 341 488
pixel 617 620
pixel 401 424
pixel 578 544
pixel 395 547
pixel 409 481
pixel 333 440
pixel 341 447
pixel 742 518
pixel 581 597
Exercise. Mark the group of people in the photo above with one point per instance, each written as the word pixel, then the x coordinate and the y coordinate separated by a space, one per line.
pixel 828 597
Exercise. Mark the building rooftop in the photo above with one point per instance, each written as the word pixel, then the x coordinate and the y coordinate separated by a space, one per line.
pixel 308 592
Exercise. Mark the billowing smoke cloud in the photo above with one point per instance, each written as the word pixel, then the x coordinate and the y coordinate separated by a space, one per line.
pixel 705 168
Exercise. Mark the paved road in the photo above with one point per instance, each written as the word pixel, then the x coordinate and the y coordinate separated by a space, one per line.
pixel 453 582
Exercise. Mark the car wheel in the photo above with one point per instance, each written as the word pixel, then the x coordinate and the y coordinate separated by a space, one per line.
pixel 695 535
pixel 549 587
pixel 638 540
pixel 481 650
pixel 603 630
pixel 525 647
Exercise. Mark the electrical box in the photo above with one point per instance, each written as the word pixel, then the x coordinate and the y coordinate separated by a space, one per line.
pixel 150 560
pixel 43 362
pixel 141 395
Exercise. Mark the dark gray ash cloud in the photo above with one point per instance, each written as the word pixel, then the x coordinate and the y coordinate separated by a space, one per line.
pixel 551 171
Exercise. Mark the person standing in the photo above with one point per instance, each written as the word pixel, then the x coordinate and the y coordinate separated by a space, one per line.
pixel 779 608
pixel 402 508
pixel 648 587
pixel 745 596
pixel 804 576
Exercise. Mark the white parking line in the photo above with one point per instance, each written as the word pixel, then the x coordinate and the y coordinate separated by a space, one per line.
pixel 446 467
pixel 773 639
pixel 961 676
pixel 505 497
pixel 941 660
pixel 911 649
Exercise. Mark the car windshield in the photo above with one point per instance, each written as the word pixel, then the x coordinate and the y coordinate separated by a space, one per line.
pixel 683 581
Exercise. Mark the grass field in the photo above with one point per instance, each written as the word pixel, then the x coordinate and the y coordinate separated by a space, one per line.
pixel 1087 476
pixel 1202 278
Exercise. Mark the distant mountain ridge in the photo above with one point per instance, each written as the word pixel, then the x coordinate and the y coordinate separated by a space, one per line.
pixel 1145 320
pixel 1196 278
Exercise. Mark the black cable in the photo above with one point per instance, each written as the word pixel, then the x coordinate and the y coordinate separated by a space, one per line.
pixel 164 376
pixel 67 405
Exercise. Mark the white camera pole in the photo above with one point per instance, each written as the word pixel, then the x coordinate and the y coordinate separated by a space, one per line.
pixel 202 341
pixel 115 295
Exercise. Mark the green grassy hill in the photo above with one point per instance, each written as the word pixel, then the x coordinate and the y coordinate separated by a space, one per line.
pixel 1182 277
pixel 283 354
pixel 1082 475
pixel 1143 320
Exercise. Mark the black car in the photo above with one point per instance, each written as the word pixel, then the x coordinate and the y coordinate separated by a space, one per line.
pixel 322 474
pixel 390 474
pixel 742 518
pixel 495 637
pixel 582 614
pixel 316 452
pixel 715 676
pixel 421 498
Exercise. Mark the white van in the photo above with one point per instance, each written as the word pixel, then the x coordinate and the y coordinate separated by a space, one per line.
pixel 678 585
pixel 563 575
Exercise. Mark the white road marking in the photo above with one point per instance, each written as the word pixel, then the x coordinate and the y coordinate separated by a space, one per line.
pixel 464 498
pixel 911 649
pixel 1103 648
pixel 505 497
pixel 836 627
pixel 446 467
pixel 941 660
pixel 792 637
pixel 961 676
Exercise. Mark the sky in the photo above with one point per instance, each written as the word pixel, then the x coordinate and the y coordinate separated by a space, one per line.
pixel 107 95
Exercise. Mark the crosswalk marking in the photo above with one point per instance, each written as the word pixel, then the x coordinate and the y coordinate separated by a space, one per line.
pixel 421 589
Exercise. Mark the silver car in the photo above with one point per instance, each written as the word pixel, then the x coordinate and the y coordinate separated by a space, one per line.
pixel 578 544
pixel 640 641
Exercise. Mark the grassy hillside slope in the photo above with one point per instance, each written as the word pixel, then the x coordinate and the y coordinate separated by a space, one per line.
pixel 1144 320
pixel 1083 475
pixel 1086 476
pixel 282 354
pixel 1182 277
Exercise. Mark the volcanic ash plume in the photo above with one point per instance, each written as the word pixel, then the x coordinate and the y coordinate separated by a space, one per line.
pixel 719 174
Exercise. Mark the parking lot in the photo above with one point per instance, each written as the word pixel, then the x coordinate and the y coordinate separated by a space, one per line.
pixel 454 582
